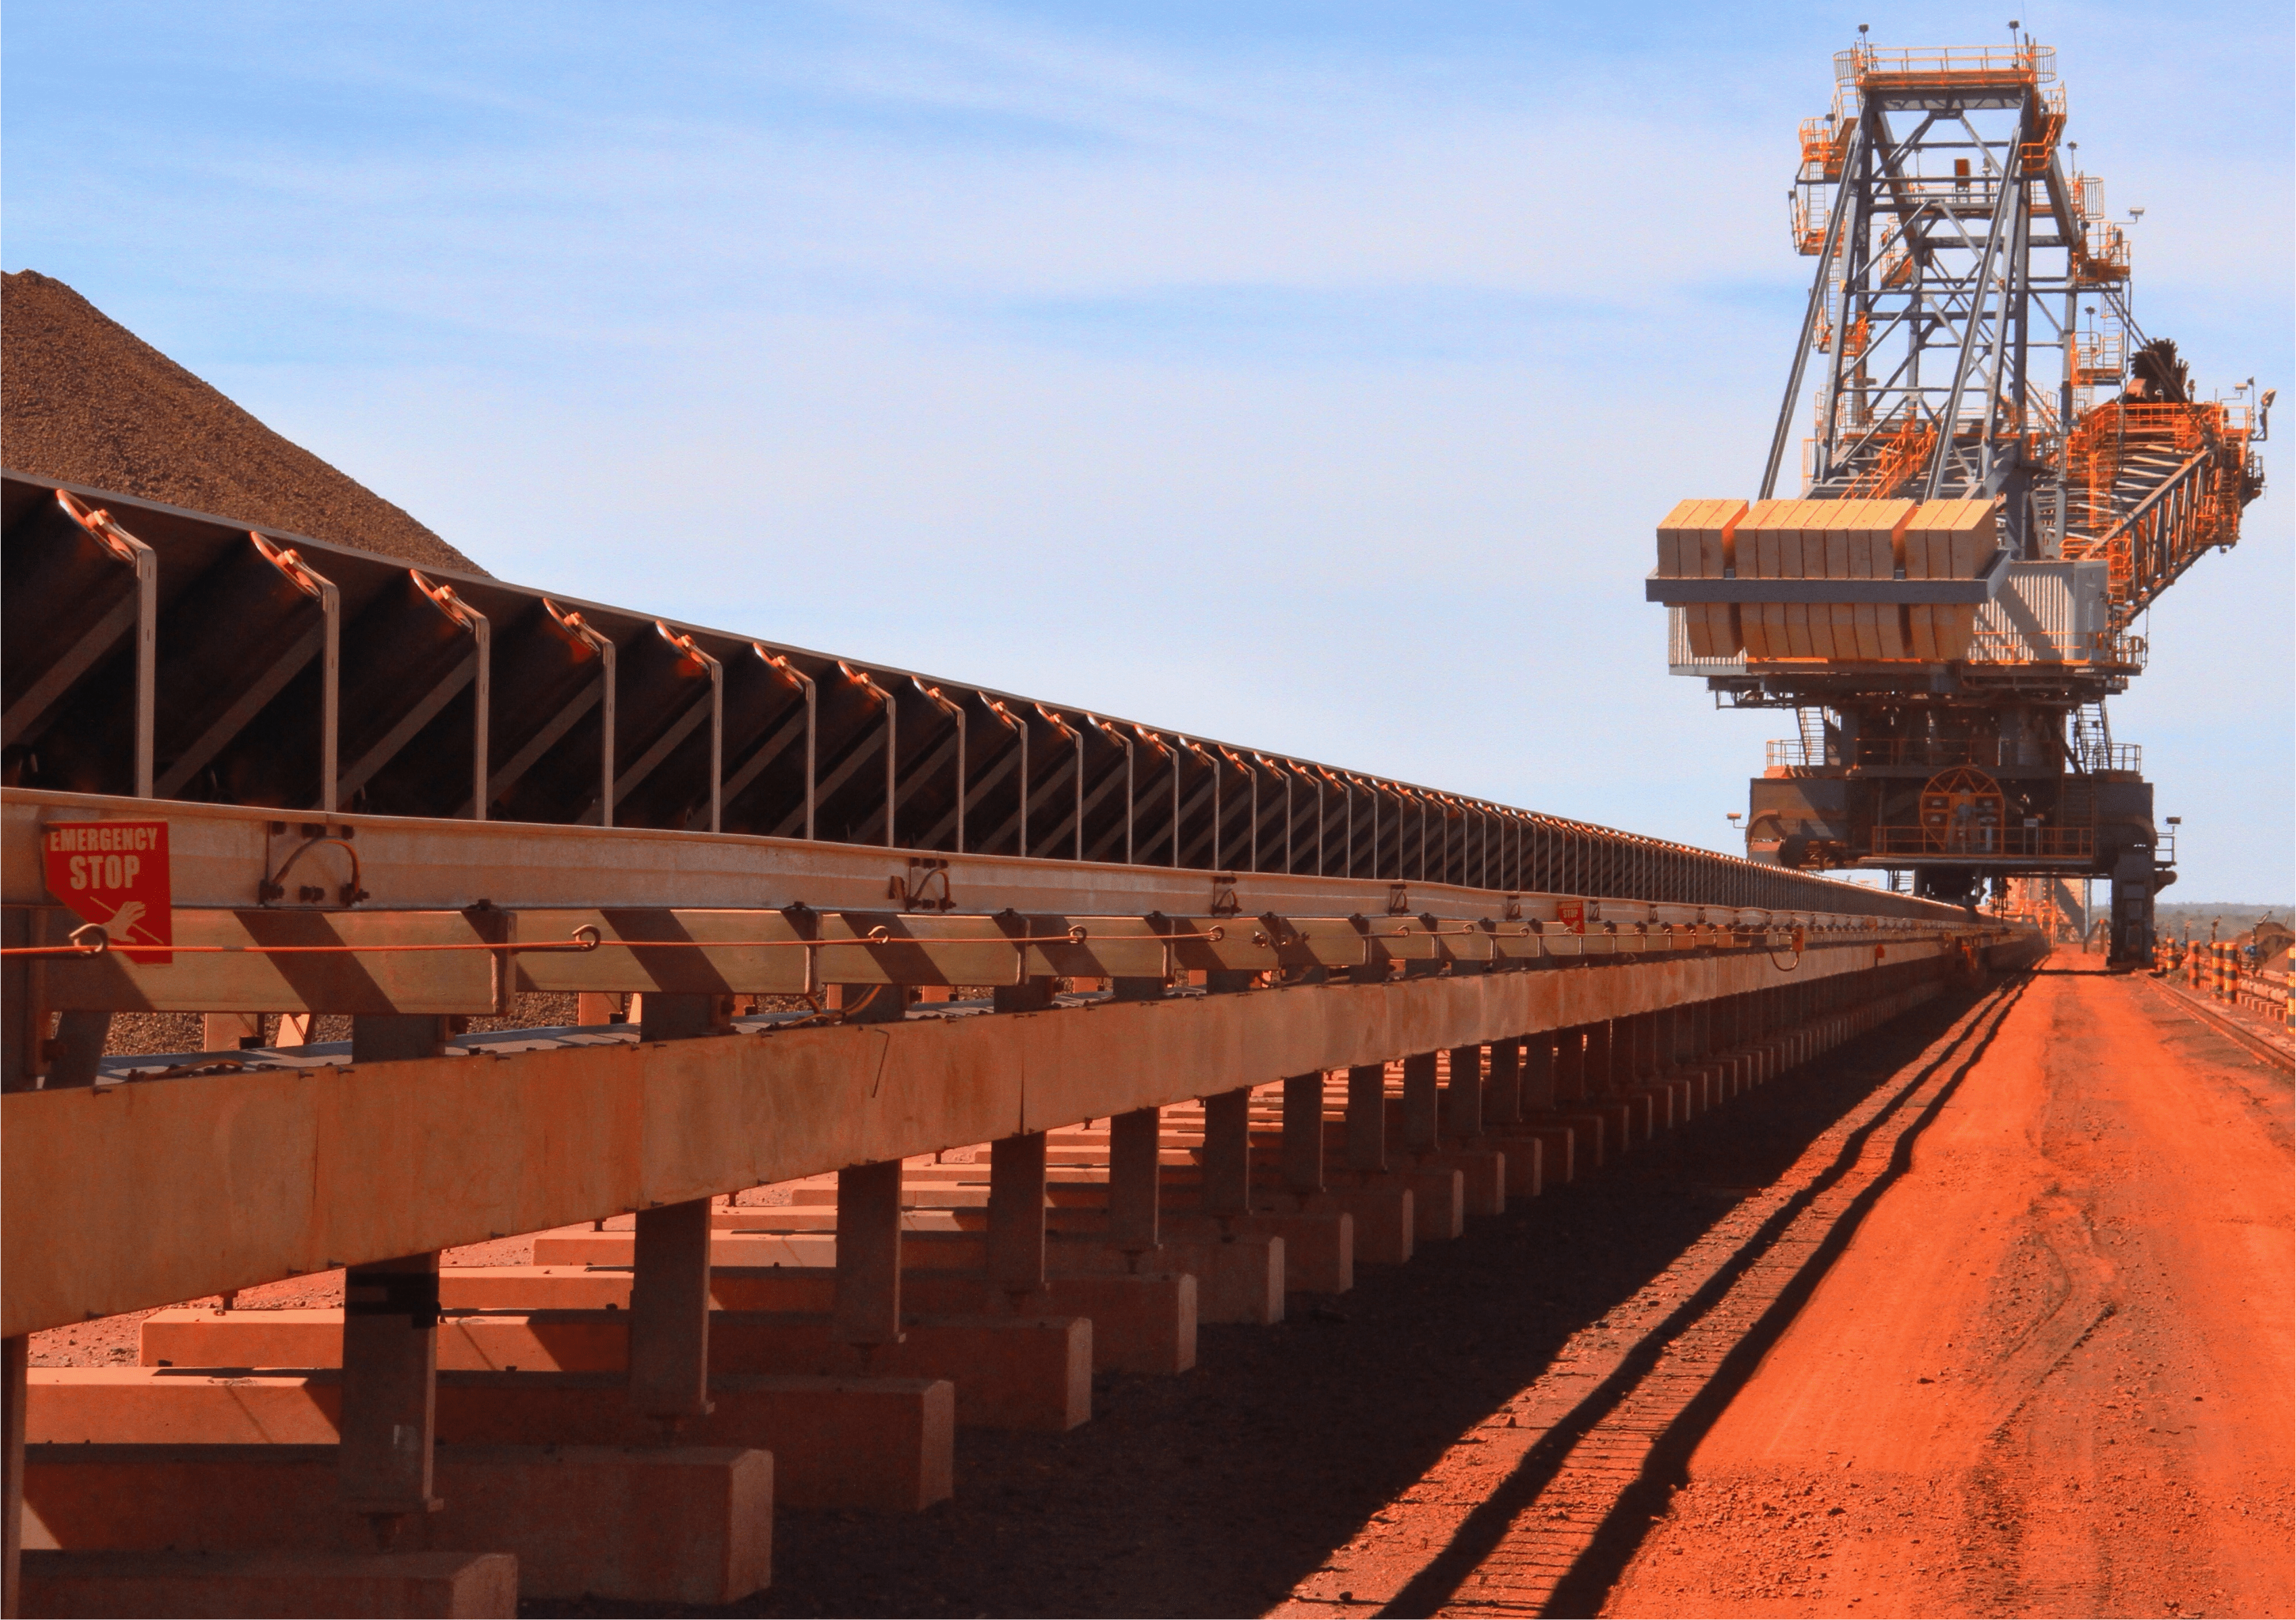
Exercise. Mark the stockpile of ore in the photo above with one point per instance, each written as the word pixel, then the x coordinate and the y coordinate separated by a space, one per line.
pixel 84 400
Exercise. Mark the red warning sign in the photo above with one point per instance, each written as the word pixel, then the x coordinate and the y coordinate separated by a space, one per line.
pixel 1572 914
pixel 115 874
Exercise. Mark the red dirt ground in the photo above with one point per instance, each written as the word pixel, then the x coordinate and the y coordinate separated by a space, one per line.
pixel 2051 1373
pixel 2011 1336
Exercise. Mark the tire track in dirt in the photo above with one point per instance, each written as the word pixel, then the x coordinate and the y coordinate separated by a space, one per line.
pixel 1538 1509
pixel 2052 1375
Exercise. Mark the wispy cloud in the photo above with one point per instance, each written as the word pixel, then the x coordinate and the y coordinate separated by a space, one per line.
pixel 1308 375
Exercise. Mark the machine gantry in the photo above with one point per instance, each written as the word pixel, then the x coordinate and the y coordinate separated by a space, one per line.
pixel 2002 472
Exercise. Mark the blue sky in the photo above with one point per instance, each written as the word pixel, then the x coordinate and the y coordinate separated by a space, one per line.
pixel 1308 376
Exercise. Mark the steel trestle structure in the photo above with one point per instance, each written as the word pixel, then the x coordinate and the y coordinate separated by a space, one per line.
pixel 812 919
pixel 817 918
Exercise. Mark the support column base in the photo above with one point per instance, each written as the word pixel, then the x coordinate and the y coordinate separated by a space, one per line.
pixel 641 1524
pixel 447 1585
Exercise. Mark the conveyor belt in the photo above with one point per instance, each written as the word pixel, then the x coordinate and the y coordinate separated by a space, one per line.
pixel 156 652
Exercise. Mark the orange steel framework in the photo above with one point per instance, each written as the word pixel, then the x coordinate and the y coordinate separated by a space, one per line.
pixel 1979 375
pixel 862 917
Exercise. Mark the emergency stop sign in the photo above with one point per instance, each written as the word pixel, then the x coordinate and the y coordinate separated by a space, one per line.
pixel 115 874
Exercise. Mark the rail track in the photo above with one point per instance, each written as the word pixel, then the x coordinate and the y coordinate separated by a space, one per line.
pixel 2224 1023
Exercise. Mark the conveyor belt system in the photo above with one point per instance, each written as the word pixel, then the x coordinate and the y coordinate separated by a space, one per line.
pixel 156 652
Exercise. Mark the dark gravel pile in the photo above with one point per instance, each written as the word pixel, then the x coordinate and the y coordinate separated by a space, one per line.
pixel 84 400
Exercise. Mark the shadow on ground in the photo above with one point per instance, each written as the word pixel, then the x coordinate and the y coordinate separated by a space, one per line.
pixel 1214 1493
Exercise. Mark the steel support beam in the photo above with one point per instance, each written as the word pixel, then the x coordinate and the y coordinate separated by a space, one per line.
pixel 292 1184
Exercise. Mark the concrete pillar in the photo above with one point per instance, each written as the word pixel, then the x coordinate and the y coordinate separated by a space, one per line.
pixel 597 1007
pixel 867 1307
pixel 1227 1153
pixel 1016 1211
pixel 74 1049
pixel 390 1338
pixel 1463 1098
pixel 669 1278
pixel 1421 1102
pixel 1571 1063
pixel 669 1312
pixel 1502 1090
pixel 1303 1132
pixel 14 1358
pixel 1134 1179
pixel 1539 1091
pixel 1030 996
pixel 865 1003
pixel 867 1304
pixel 390 1390
pixel 683 1018
pixel 395 1037
pixel 1600 1048
pixel 1644 1063
pixel 1367 1117
pixel 1624 1051
pixel 23 1021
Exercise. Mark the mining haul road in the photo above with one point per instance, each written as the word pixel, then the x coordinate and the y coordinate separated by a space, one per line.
pixel 2050 1374
pixel 2011 1337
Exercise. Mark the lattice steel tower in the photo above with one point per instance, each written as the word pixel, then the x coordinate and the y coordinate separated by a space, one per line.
pixel 2000 472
